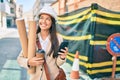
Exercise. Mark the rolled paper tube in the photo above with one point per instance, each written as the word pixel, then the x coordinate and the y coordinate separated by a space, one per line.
pixel 23 36
pixel 31 44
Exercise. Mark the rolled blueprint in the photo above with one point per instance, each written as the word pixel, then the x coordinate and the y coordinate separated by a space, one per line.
pixel 31 44
pixel 23 36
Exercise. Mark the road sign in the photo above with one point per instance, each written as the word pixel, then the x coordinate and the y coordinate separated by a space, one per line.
pixel 113 47
pixel 113 44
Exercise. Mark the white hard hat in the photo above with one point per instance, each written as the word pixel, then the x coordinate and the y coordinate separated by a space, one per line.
pixel 48 10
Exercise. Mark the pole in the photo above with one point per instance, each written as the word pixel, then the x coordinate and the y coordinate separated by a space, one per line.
pixel 114 67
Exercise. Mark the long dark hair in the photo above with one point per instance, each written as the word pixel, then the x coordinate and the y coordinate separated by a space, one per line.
pixel 53 38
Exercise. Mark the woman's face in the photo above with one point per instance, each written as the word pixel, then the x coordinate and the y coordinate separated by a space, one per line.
pixel 45 21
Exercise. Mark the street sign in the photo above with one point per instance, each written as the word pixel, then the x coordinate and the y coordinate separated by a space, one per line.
pixel 113 44
pixel 113 47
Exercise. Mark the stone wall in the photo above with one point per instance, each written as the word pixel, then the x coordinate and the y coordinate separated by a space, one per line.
pixel 113 5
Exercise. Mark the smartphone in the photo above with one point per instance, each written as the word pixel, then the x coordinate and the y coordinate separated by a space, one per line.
pixel 63 45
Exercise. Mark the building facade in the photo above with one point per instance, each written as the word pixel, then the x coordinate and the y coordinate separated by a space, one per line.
pixel 7 13
pixel 71 5
pixel 12 16
pixel 19 11
pixel 4 11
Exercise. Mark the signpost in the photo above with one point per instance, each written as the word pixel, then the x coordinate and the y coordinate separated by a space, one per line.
pixel 113 47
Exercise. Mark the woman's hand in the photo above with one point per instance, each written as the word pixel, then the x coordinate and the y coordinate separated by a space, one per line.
pixel 64 54
pixel 35 61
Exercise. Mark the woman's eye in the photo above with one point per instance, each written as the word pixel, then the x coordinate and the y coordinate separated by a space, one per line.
pixel 48 19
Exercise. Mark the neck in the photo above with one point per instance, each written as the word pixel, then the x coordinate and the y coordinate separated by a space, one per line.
pixel 44 34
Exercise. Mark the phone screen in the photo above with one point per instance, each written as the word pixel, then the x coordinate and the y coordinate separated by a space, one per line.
pixel 63 45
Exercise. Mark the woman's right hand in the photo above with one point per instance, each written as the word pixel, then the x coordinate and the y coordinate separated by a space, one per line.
pixel 35 61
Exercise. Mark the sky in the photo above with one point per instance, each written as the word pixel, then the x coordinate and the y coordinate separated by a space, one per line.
pixel 27 4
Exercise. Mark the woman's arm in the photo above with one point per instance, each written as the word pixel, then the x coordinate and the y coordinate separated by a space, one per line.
pixel 61 55
pixel 24 62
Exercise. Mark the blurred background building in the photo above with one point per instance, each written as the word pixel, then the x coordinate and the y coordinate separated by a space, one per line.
pixel 65 6
pixel 19 11
pixel 7 13
pixel 10 10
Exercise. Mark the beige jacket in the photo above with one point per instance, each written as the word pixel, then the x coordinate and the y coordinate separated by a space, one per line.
pixel 51 62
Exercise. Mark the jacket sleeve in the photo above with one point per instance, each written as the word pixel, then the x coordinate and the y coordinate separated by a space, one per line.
pixel 60 61
pixel 22 61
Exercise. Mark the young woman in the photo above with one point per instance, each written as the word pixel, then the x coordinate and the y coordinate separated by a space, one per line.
pixel 50 42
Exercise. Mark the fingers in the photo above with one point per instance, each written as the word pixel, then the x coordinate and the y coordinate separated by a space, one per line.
pixel 64 50
pixel 40 62
pixel 64 54
pixel 36 61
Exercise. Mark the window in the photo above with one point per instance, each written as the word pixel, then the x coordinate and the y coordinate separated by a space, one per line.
pixel 1 1
pixel 12 10
pixel 11 1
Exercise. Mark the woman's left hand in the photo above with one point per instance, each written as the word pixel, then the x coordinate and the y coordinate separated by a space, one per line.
pixel 64 53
